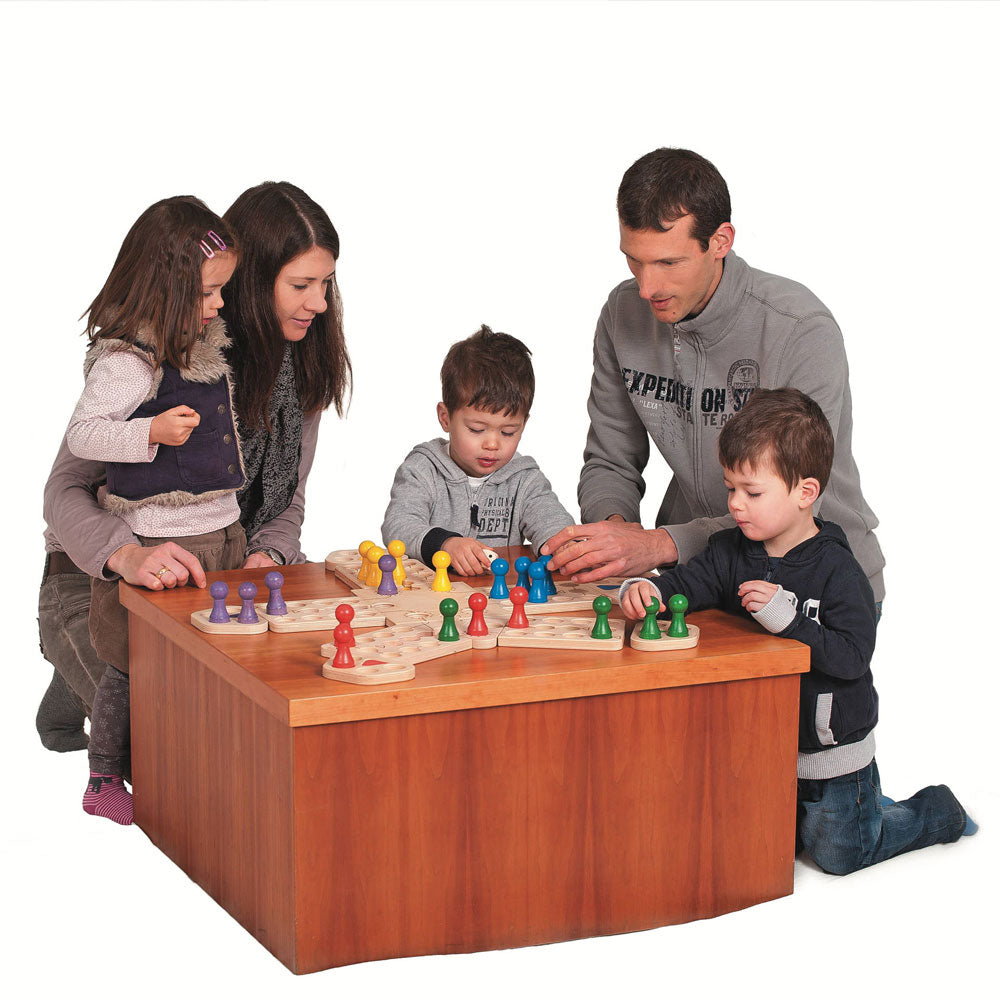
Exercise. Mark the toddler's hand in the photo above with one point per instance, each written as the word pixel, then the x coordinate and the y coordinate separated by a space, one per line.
pixel 467 556
pixel 637 597
pixel 756 593
pixel 173 426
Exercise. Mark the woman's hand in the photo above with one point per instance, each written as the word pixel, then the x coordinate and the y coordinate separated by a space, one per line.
pixel 257 559
pixel 156 567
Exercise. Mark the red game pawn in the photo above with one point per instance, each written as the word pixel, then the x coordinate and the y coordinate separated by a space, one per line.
pixel 344 615
pixel 478 624
pixel 518 618
pixel 343 636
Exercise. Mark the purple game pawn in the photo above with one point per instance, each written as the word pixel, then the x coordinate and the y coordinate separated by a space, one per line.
pixel 275 602
pixel 220 613
pixel 248 613
pixel 387 585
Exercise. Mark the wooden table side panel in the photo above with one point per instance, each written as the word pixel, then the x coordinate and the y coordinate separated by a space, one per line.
pixel 524 824
pixel 212 786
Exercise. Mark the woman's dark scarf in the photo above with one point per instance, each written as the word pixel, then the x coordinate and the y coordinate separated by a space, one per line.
pixel 271 458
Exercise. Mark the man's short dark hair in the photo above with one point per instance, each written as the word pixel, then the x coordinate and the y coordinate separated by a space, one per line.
pixel 783 428
pixel 488 371
pixel 665 184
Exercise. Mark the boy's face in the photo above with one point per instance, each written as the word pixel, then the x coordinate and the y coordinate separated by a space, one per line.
pixel 481 442
pixel 767 511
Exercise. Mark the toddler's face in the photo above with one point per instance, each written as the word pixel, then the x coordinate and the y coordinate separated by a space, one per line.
pixel 766 510
pixel 481 442
pixel 215 274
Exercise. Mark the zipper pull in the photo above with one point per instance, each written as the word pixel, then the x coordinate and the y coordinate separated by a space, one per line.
pixel 474 512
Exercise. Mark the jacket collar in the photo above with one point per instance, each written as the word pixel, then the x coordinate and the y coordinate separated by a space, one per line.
pixel 719 316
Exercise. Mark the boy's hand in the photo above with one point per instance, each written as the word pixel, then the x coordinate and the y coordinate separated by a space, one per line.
pixel 173 426
pixel 468 557
pixel 756 593
pixel 637 597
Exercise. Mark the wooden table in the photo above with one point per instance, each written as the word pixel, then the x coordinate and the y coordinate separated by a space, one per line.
pixel 502 798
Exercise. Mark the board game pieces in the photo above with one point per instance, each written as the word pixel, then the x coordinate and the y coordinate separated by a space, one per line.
pixel 397 550
pixel 441 561
pixel 248 613
pixel 373 573
pixel 345 615
pixel 538 593
pixel 377 653
pixel 274 581
pixel 550 584
pixel 650 629
pixel 518 617
pixel 556 632
pixel 218 592
pixel 677 604
pixel 499 567
pixel 490 555
pixel 477 624
pixel 387 583
pixel 602 627
pixel 343 638
pixel 449 630
pixel 363 568
pixel 346 565
pixel 521 564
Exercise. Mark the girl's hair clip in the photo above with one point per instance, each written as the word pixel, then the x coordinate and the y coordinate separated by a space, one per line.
pixel 216 239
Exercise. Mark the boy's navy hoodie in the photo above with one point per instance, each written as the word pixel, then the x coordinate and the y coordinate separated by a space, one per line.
pixel 826 602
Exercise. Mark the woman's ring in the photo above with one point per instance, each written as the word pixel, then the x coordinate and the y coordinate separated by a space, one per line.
pixel 162 570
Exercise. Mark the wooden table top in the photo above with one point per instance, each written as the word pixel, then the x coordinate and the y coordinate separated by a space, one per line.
pixel 282 672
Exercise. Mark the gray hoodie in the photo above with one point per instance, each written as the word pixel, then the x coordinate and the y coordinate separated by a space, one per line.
pixel 432 500
pixel 677 384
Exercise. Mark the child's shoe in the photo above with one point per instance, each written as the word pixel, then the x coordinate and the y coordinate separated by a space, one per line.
pixel 107 796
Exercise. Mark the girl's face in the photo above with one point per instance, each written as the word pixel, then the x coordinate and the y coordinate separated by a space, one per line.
pixel 215 273
pixel 300 291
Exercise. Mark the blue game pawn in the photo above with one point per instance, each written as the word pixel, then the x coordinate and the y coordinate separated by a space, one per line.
pixel 248 613
pixel 220 613
pixel 550 584
pixel 499 591
pixel 538 594
pixel 521 564
pixel 275 602
pixel 387 585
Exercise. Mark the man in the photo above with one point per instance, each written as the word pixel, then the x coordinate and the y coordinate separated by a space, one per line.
pixel 678 351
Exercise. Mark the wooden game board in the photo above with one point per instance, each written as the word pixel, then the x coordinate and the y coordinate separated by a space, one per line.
pixel 199 619
pixel 411 643
pixel 563 633
pixel 345 564
pixel 570 597
pixel 320 613
pixel 665 642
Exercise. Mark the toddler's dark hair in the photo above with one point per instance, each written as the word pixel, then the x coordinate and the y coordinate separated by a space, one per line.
pixel 488 371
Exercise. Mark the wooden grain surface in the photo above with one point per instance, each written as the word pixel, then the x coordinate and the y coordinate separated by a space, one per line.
pixel 282 673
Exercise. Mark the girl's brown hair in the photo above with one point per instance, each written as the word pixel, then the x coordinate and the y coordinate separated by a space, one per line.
pixel 155 282
pixel 277 222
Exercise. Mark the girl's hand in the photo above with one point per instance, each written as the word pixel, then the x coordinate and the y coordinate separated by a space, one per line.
pixel 173 426
pixel 756 593
pixel 467 556
pixel 637 597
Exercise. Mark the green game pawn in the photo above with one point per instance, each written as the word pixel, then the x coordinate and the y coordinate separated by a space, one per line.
pixel 449 630
pixel 602 627
pixel 678 604
pixel 650 630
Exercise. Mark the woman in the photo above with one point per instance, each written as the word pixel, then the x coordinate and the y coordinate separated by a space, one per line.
pixel 290 363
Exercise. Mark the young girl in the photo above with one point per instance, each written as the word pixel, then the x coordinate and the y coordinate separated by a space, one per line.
pixel 157 410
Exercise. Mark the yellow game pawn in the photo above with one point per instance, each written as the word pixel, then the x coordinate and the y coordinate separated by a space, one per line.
pixel 374 576
pixel 398 549
pixel 363 551
pixel 441 561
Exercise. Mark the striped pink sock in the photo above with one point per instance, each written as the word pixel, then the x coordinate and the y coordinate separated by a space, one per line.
pixel 107 796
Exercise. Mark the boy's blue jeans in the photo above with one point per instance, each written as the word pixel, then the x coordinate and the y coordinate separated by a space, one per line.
pixel 843 826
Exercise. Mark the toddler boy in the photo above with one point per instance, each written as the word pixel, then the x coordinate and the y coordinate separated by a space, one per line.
pixel 474 490
pixel 796 575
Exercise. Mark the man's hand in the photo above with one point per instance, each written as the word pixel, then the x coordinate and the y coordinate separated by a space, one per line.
pixel 588 552
pixel 636 598
pixel 756 593
pixel 141 566
pixel 468 556
pixel 173 426
pixel 257 559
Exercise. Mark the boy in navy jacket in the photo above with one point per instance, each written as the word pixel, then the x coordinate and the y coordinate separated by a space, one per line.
pixel 796 575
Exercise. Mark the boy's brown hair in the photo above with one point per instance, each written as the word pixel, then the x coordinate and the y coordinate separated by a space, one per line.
pixel 783 428
pixel 488 371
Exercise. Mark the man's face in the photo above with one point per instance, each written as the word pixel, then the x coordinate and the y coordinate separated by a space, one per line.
pixel 676 277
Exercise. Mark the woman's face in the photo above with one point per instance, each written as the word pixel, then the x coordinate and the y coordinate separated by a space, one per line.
pixel 300 291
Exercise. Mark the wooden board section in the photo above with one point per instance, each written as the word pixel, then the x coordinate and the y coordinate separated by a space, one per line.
pixel 563 633
pixel 320 614
pixel 665 642
pixel 199 619
pixel 345 564
pixel 369 671
pixel 412 643
pixel 571 598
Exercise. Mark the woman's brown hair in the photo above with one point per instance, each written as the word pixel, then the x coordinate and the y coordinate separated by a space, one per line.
pixel 155 281
pixel 277 222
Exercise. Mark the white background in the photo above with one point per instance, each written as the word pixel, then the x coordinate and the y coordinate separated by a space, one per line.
pixel 469 156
